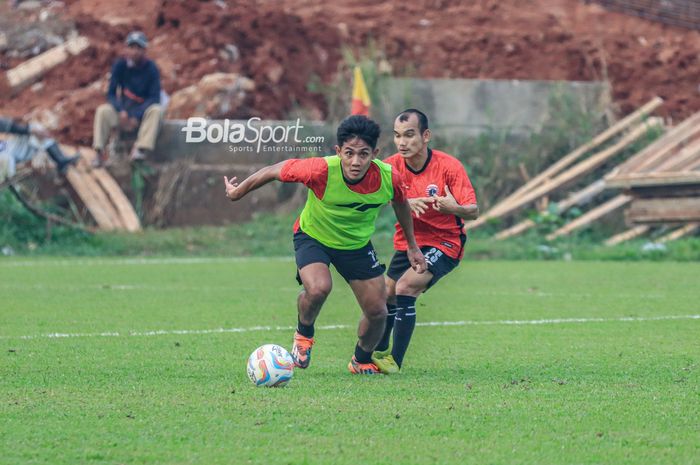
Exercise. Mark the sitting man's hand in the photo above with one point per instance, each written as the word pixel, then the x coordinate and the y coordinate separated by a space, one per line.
pixel 123 119
pixel 132 124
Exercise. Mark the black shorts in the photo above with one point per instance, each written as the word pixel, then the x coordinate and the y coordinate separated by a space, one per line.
pixel 439 264
pixel 359 264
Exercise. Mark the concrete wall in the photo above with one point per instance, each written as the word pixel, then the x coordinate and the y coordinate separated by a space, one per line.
pixel 468 107
pixel 456 108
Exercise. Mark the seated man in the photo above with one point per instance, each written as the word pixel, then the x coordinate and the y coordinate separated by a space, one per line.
pixel 134 101
pixel 28 140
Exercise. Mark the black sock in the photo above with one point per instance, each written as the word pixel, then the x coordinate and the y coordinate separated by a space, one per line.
pixel 361 356
pixel 384 342
pixel 405 321
pixel 305 330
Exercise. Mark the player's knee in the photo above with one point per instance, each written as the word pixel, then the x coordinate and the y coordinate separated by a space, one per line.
pixel 318 292
pixel 376 312
pixel 153 110
pixel 103 110
pixel 408 288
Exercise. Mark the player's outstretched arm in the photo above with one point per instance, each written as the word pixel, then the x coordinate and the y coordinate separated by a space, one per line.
pixel 236 191
pixel 415 256
pixel 449 205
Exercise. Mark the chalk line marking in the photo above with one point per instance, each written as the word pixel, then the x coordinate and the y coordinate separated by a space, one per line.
pixel 170 332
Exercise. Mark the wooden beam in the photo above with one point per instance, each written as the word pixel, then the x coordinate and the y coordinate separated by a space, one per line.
pixel 664 210
pixel 576 198
pixel 654 179
pixel 589 217
pixel 128 218
pixel 662 146
pixel 93 198
pixel 515 230
pixel 34 68
pixel 569 159
pixel 627 235
pixel 572 174
pixel 689 228
pixel 684 157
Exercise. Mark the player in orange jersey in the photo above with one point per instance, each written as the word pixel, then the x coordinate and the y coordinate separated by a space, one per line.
pixel 441 197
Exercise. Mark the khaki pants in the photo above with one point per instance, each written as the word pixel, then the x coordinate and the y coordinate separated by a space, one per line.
pixel 107 119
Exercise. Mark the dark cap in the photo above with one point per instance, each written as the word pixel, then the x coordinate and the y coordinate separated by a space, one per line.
pixel 137 38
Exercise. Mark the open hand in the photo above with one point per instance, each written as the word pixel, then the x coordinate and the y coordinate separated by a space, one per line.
pixel 232 191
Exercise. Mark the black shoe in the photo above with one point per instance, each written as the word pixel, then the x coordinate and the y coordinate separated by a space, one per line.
pixel 62 162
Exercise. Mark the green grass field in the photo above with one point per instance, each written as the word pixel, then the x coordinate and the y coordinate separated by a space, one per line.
pixel 545 363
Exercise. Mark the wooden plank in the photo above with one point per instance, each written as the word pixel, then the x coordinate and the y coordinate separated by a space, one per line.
pixel 34 68
pixel 515 230
pixel 692 166
pixel 576 198
pixel 686 156
pixel 664 210
pixel 574 173
pixel 627 235
pixel 570 158
pixel 662 146
pixel 127 215
pixel 93 198
pixel 683 231
pixel 651 163
pixel 592 215
pixel 654 179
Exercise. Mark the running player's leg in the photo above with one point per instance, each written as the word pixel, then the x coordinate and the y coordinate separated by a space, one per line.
pixel 408 288
pixel 371 295
pixel 313 273
pixel 317 282
pixel 385 341
pixel 365 275
pixel 398 266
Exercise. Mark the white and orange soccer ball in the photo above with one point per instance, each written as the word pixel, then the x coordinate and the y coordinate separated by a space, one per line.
pixel 271 366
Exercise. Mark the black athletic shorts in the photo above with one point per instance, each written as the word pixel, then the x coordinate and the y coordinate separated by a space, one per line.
pixel 351 264
pixel 439 264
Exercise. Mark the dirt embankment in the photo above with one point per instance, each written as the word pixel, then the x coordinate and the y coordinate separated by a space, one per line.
pixel 283 49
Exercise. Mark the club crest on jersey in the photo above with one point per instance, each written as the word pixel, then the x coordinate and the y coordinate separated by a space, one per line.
pixel 431 190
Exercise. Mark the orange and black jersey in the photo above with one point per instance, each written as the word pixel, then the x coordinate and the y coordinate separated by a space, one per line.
pixel 434 228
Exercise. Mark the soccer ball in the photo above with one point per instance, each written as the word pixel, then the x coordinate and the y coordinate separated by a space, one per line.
pixel 271 366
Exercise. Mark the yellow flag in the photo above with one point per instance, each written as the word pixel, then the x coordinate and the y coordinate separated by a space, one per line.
pixel 360 96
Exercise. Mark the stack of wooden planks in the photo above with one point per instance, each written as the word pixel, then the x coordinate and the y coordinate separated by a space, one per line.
pixel 572 168
pixel 660 184
pixel 663 182
pixel 101 194
pixel 94 189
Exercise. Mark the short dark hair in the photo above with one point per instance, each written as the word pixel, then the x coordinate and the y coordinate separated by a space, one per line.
pixel 422 119
pixel 358 126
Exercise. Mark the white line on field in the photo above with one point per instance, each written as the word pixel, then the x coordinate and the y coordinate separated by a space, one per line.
pixel 166 332
pixel 132 287
pixel 142 261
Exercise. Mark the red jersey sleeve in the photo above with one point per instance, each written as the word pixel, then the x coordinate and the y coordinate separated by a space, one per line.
pixel 312 172
pixel 398 184
pixel 460 185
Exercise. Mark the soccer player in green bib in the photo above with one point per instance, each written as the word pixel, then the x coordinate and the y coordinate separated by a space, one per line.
pixel 346 192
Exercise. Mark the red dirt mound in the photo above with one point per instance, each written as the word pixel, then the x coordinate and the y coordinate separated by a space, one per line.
pixel 283 48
